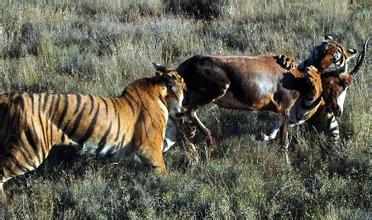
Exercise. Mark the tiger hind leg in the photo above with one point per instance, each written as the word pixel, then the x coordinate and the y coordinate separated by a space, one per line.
pixel 334 131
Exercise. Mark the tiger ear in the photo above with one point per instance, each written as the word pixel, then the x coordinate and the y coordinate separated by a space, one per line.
pixel 158 73
pixel 169 80
pixel 328 38
pixel 160 68
pixel 351 53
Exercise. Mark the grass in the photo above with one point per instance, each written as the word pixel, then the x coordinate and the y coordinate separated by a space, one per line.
pixel 99 47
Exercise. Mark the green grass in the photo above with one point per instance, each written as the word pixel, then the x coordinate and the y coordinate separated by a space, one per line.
pixel 99 47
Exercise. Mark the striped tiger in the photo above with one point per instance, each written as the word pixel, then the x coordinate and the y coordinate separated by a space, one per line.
pixel 335 83
pixel 328 57
pixel 132 124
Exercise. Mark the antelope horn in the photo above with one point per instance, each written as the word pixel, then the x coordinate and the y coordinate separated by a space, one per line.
pixel 361 59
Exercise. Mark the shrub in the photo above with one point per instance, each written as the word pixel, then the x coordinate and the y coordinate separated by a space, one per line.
pixel 199 9
pixel 28 42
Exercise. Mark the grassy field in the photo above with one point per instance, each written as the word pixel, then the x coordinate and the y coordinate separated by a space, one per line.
pixel 100 46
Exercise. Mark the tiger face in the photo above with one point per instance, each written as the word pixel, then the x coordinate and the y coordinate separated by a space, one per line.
pixel 330 56
pixel 175 86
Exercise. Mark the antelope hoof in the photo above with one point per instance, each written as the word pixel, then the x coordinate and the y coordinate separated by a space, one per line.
pixel 211 144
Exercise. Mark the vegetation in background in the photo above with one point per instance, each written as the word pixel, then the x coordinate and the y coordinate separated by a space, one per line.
pixel 100 46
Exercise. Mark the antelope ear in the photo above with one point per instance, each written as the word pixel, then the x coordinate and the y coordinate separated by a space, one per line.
pixel 160 68
pixel 345 83
pixel 351 52
pixel 346 80
pixel 328 38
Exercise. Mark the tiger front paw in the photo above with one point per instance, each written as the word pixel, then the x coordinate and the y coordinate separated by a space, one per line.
pixel 286 62
pixel 312 72
pixel 313 76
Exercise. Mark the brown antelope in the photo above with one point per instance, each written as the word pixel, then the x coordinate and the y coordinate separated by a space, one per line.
pixel 257 83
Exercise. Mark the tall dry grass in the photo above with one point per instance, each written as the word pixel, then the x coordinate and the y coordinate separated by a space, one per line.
pixel 99 47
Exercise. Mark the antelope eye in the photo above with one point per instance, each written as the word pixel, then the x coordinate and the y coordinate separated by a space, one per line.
pixel 344 84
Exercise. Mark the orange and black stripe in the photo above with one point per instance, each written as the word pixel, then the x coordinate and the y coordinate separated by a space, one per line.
pixel 31 124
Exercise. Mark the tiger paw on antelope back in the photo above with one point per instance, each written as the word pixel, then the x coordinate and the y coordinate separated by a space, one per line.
pixel 286 62
pixel 313 75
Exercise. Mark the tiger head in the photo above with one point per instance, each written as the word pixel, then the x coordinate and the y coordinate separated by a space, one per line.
pixel 175 89
pixel 330 56
pixel 335 85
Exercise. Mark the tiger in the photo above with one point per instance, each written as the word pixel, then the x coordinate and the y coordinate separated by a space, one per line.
pixel 132 124
pixel 335 83
pixel 336 54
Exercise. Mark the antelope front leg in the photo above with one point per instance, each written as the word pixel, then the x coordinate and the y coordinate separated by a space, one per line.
pixel 190 146
pixel 179 123
pixel 284 135
pixel 194 118
pixel 175 132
